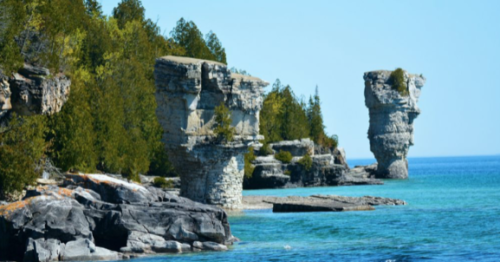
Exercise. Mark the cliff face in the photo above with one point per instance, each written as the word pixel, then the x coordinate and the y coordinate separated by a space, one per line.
pixel 391 121
pixel 188 90
pixel 33 91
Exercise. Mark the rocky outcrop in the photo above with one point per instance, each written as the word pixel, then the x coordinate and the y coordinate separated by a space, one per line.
pixel 330 169
pixel 319 203
pixel 188 90
pixel 32 90
pixel 391 121
pixel 96 217
pixel 268 173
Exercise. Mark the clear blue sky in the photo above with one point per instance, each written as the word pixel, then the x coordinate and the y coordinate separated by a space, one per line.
pixel 454 44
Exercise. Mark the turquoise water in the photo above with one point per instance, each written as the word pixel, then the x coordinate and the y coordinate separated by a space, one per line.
pixel 453 215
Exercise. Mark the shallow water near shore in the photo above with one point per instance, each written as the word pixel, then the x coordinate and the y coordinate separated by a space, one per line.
pixel 452 215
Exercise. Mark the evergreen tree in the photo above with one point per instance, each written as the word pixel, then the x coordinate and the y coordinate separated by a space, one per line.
pixel 215 47
pixel 22 147
pixel 315 118
pixel 223 129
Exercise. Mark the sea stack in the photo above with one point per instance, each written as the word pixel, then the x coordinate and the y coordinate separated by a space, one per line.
pixel 392 102
pixel 187 92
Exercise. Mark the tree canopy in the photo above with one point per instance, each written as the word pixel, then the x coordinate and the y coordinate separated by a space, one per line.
pixel 285 117
pixel 109 122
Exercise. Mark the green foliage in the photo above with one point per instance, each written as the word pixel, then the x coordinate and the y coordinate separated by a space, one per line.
pixel 287 172
pixel 284 156
pixel 249 158
pixel 22 147
pixel 223 129
pixel 187 35
pixel 109 122
pixel 265 150
pixel 306 162
pixel 284 117
pixel 397 80
pixel 161 182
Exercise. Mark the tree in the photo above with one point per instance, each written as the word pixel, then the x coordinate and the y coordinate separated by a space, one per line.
pixel 249 157
pixel 187 35
pixel 315 118
pixel 215 47
pixel 223 129
pixel 22 147
pixel 127 11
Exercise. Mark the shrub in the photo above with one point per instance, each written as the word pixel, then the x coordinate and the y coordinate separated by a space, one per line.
pixel 287 172
pixel 397 80
pixel 249 158
pixel 265 150
pixel 22 148
pixel 283 156
pixel 306 162
pixel 161 182
pixel 223 129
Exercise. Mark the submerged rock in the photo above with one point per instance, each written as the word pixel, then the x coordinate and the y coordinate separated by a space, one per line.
pixel 391 121
pixel 98 218
pixel 324 203
pixel 187 92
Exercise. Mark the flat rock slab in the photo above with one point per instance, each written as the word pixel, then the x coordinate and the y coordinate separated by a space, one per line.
pixel 318 203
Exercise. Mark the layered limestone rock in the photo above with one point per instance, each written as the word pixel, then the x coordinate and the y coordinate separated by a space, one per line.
pixel 32 90
pixel 96 217
pixel 391 121
pixel 187 92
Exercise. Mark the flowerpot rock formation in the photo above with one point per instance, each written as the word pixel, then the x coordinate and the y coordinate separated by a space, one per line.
pixel 187 92
pixel 391 120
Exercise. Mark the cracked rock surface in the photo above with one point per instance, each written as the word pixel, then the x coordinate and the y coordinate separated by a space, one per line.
pixel 96 217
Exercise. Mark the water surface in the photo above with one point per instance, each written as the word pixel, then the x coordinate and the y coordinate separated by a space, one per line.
pixel 453 215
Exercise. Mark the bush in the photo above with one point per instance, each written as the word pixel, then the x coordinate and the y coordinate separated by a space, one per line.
pixel 306 162
pixel 249 158
pixel 265 150
pixel 287 172
pixel 161 182
pixel 223 129
pixel 22 148
pixel 397 80
pixel 284 156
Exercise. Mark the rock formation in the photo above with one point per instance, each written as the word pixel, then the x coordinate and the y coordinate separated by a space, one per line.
pixel 391 121
pixel 188 90
pixel 96 217
pixel 328 168
pixel 32 90
pixel 318 203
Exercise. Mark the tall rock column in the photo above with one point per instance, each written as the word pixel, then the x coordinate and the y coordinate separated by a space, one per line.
pixel 391 120
pixel 187 92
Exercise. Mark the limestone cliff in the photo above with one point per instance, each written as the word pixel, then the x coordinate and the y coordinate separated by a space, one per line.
pixel 188 90
pixel 32 90
pixel 391 121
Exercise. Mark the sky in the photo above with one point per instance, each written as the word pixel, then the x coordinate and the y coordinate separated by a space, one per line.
pixel 330 44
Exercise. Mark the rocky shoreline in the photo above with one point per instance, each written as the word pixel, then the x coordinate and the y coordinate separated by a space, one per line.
pixel 97 217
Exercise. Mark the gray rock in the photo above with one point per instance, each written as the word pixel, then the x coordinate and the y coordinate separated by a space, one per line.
pixel 35 92
pixel 187 92
pixel 43 250
pixel 268 173
pixel 90 228
pixel 84 249
pixel 391 121
pixel 332 203
pixel 212 246
pixel 296 147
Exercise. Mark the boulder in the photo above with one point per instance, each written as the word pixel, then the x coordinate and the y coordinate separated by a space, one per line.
pixel 297 148
pixel 391 121
pixel 84 222
pixel 187 92
pixel 268 173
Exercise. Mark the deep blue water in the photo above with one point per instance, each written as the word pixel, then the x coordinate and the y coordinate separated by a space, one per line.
pixel 453 215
